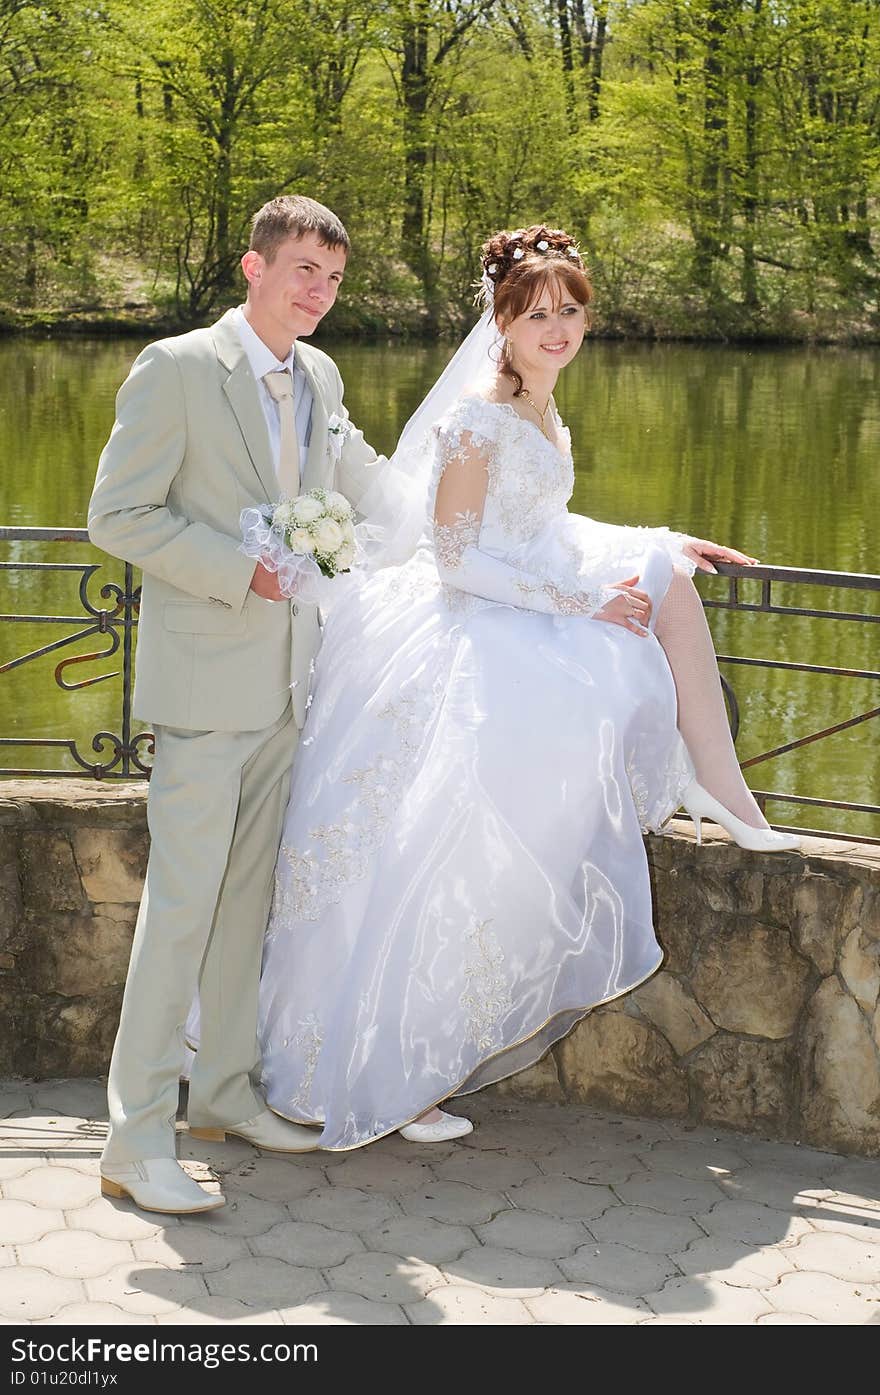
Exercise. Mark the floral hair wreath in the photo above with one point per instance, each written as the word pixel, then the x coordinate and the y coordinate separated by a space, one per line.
pixel 544 246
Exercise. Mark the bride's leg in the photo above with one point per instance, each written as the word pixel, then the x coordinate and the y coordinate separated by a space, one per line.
pixel 684 634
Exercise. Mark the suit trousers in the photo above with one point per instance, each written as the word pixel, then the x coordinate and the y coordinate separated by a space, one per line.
pixel 215 811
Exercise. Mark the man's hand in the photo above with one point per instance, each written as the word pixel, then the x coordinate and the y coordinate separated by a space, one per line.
pixel 704 553
pixel 265 583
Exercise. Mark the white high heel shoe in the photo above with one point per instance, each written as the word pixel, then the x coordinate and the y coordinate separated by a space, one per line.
pixel 700 804
pixel 446 1127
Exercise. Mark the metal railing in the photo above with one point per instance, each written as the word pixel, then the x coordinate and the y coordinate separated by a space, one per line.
pixel 117 623
pixel 123 751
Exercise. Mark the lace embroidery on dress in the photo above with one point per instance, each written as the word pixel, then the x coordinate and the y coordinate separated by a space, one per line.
pixel 308 881
pixel 309 1039
pixel 451 540
pixel 487 998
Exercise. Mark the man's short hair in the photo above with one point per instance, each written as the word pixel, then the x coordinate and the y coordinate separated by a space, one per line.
pixel 294 215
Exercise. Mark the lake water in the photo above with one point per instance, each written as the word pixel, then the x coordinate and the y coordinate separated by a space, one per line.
pixel 772 450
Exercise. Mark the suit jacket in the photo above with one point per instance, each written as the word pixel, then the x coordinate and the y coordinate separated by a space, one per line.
pixel 190 450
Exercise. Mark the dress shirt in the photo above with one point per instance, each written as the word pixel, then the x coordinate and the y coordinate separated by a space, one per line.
pixel 262 361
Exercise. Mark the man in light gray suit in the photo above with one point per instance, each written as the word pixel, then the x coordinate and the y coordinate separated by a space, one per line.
pixel 207 424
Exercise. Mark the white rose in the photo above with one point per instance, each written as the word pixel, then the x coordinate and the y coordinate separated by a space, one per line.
pixel 301 540
pixel 283 515
pixel 338 506
pixel 327 535
pixel 345 556
pixel 348 533
pixel 306 510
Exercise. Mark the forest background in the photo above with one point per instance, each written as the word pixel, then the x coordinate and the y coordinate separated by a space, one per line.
pixel 718 159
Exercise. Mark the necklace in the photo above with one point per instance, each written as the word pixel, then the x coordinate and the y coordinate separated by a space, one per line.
pixel 535 408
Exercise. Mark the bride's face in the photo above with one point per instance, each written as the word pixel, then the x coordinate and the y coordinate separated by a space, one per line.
pixel 548 334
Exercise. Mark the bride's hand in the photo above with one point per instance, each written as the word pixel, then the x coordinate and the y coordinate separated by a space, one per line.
pixel 632 611
pixel 704 553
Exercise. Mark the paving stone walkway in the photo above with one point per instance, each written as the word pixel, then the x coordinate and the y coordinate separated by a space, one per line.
pixel 545 1214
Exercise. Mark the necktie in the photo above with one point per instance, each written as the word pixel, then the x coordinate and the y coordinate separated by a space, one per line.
pixel 280 385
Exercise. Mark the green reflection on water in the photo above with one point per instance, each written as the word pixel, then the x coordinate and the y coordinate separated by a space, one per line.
pixel 771 450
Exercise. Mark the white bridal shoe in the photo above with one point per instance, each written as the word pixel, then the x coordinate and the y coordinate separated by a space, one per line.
pixel 447 1126
pixel 700 804
pixel 159 1184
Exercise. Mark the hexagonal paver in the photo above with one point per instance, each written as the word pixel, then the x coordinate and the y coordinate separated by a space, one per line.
pixel 16 1164
pixel 782 1188
pixel 21 1222
pixel 386 1278
pixel 506 1273
pixel 147 1288
pixel 461 1304
pixel 13 1099
pixel 273 1179
pixel 119 1220
pixel 75 1254
pixel 708 1301
pixel 641 1229
pixel 242 1215
pixel 860 1176
pixel 735 1262
pixel 420 1237
pixel 827 1253
pixel 746 1220
pixel 573 1306
pixel 667 1192
pixel 59 1188
pixel 307 1244
pixel 384 1174
pixel 563 1196
pixel 212 1311
pixel 606 1171
pixel 187 1248
pixel 492 1169
pixel 29 1294
pixel 787 1320
pixel 826 1298
pixel 761 1153
pixel 832 1219
pixel 7 1256
pixel 531 1233
pixel 454 1201
pixel 617 1268
pixel 344 1208
pixel 335 1309
pixel 96 1315
pixel 85 1098
pixel 264 1282
pixel 702 1161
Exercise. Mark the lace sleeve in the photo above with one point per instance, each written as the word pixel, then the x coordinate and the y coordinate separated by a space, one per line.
pixel 463 482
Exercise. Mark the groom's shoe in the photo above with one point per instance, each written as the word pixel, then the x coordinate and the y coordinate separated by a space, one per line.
pixel 267 1131
pixel 159 1184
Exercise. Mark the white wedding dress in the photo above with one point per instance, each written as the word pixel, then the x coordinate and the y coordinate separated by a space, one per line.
pixel 462 874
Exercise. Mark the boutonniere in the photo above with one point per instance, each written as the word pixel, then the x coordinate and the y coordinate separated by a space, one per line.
pixel 338 428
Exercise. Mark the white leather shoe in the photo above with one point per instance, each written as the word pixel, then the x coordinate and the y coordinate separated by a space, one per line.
pixel 159 1184
pixel 267 1131
pixel 700 804
pixel 448 1126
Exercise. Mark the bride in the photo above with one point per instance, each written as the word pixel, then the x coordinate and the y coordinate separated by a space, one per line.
pixel 493 724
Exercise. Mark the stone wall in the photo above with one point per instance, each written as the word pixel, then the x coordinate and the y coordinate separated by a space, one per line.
pixel 765 1016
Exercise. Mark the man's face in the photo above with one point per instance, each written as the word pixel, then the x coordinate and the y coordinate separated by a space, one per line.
pixel 292 293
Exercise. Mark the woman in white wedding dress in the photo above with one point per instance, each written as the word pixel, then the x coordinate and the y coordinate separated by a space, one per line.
pixel 492 726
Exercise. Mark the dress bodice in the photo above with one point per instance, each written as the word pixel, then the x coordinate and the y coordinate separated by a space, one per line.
pixel 530 481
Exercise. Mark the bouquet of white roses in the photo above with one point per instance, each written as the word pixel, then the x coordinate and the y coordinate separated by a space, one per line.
pixel 303 540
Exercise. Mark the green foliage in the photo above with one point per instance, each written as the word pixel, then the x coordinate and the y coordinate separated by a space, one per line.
pixel 718 158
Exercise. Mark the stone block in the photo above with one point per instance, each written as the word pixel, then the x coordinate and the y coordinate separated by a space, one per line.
pixel 619 1062
pixel 859 961
pixel 11 901
pixel 749 979
pixel 745 1084
pixel 49 874
pixel 666 1002
pixel 538 1082
pixel 75 955
pixel 841 1074
pixel 112 863
pixel 817 909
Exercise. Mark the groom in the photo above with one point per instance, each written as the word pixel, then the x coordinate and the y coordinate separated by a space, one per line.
pixel 207 424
